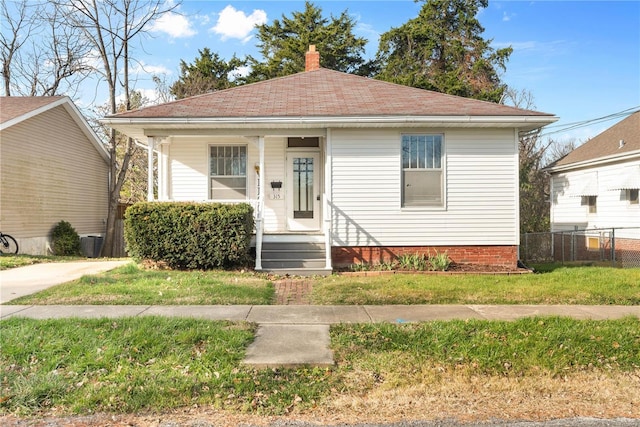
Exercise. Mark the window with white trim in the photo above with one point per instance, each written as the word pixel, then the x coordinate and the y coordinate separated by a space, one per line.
pixel 228 172
pixel 422 170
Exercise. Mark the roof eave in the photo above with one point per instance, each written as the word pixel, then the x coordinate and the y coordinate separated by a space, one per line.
pixel 631 155
pixel 523 123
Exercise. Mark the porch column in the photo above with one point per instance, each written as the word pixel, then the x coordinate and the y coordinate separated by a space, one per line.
pixel 260 207
pixel 326 214
pixel 151 146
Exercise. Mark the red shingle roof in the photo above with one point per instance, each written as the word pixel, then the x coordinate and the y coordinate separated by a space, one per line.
pixel 12 107
pixel 607 143
pixel 324 93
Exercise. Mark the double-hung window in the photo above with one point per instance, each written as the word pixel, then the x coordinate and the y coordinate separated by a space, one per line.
pixel 228 172
pixel 422 171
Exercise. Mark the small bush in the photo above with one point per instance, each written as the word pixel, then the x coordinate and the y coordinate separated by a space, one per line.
pixel 65 239
pixel 190 236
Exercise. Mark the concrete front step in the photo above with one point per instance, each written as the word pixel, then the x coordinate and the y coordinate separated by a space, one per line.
pixel 321 271
pixel 290 346
pixel 294 258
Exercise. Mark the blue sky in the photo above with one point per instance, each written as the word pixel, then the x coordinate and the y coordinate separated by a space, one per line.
pixel 579 59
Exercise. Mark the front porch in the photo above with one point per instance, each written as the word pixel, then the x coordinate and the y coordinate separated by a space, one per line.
pixel 284 178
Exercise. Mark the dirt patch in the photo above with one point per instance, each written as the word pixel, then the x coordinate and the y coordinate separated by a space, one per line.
pixel 455 397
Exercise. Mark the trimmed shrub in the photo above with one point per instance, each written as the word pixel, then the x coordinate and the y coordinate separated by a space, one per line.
pixel 190 236
pixel 65 239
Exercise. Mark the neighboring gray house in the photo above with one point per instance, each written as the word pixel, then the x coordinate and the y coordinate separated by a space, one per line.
pixel 52 167
pixel 342 168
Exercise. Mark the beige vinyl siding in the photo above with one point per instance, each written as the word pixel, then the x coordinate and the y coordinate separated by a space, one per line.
pixel 49 172
pixel 481 205
pixel 613 209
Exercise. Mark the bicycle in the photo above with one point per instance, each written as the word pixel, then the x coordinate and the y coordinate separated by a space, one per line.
pixel 8 244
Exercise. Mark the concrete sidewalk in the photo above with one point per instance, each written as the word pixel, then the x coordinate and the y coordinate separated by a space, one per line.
pixel 322 314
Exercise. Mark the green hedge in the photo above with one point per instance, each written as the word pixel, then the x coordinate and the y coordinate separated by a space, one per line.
pixel 190 236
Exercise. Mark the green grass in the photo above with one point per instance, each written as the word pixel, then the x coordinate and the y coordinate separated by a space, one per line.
pixel 564 285
pixel 554 345
pixel 13 261
pixel 152 364
pixel 139 364
pixel 131 285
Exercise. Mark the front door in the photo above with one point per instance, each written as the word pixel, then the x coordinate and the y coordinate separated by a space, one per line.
pixel 303 191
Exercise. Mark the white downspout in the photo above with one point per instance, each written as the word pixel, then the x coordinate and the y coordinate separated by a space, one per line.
pixel 260 207
pixel 151 145
pixel 326 215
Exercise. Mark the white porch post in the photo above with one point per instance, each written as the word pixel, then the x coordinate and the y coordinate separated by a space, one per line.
pixel 163 171
pixel 326 215
pixel 151 146
pixel 260 207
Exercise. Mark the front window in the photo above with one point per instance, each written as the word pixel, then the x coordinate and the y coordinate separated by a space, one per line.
pixel 422 171
pixel 228 172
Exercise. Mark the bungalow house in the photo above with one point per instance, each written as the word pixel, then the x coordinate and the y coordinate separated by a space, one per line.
pixel 344 169
pixel 53 167
pixel 595 187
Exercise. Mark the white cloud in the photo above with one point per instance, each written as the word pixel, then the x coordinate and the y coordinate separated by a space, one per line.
pixel 142 68
pixel 174 25
pixel 236 24
pixel 506 17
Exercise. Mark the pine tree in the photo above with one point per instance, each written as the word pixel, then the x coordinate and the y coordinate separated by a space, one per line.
pixel 284 43
pixel 207 73
pixel 442 49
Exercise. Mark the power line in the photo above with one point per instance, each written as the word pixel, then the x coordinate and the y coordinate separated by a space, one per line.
pixel 576 125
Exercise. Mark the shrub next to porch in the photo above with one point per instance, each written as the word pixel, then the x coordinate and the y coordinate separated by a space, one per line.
pixel 190 235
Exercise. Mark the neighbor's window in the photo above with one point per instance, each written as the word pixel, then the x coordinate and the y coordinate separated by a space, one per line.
pixel 422 172
pixel 590 201
pixel 228 171
pixel 633 196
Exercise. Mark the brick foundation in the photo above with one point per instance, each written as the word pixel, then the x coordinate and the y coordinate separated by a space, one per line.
pixel 484 255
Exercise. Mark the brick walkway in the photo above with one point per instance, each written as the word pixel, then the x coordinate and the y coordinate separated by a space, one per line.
pixel 293 291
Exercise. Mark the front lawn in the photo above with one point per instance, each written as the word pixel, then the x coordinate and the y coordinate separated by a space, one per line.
pixel 132 285
pixel 561 285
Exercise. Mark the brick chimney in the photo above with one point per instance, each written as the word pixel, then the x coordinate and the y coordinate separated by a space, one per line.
pixel 312 59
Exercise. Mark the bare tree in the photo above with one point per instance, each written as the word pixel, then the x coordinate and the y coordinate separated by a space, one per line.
pixel 534 183
pixel 41 56
pixel 110 27
pixel 16 28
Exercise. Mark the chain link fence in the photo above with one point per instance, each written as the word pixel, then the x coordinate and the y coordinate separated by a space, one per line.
pixel 618 247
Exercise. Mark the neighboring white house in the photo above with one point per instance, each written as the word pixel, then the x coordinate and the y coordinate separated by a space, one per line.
pixel 52 167
pixel 596 185
pixel 595 188
pixel 365 169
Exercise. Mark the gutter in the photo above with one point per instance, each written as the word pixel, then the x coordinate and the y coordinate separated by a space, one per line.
pixel 537 121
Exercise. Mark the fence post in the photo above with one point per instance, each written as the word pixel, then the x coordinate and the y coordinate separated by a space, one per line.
pixel 613 247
